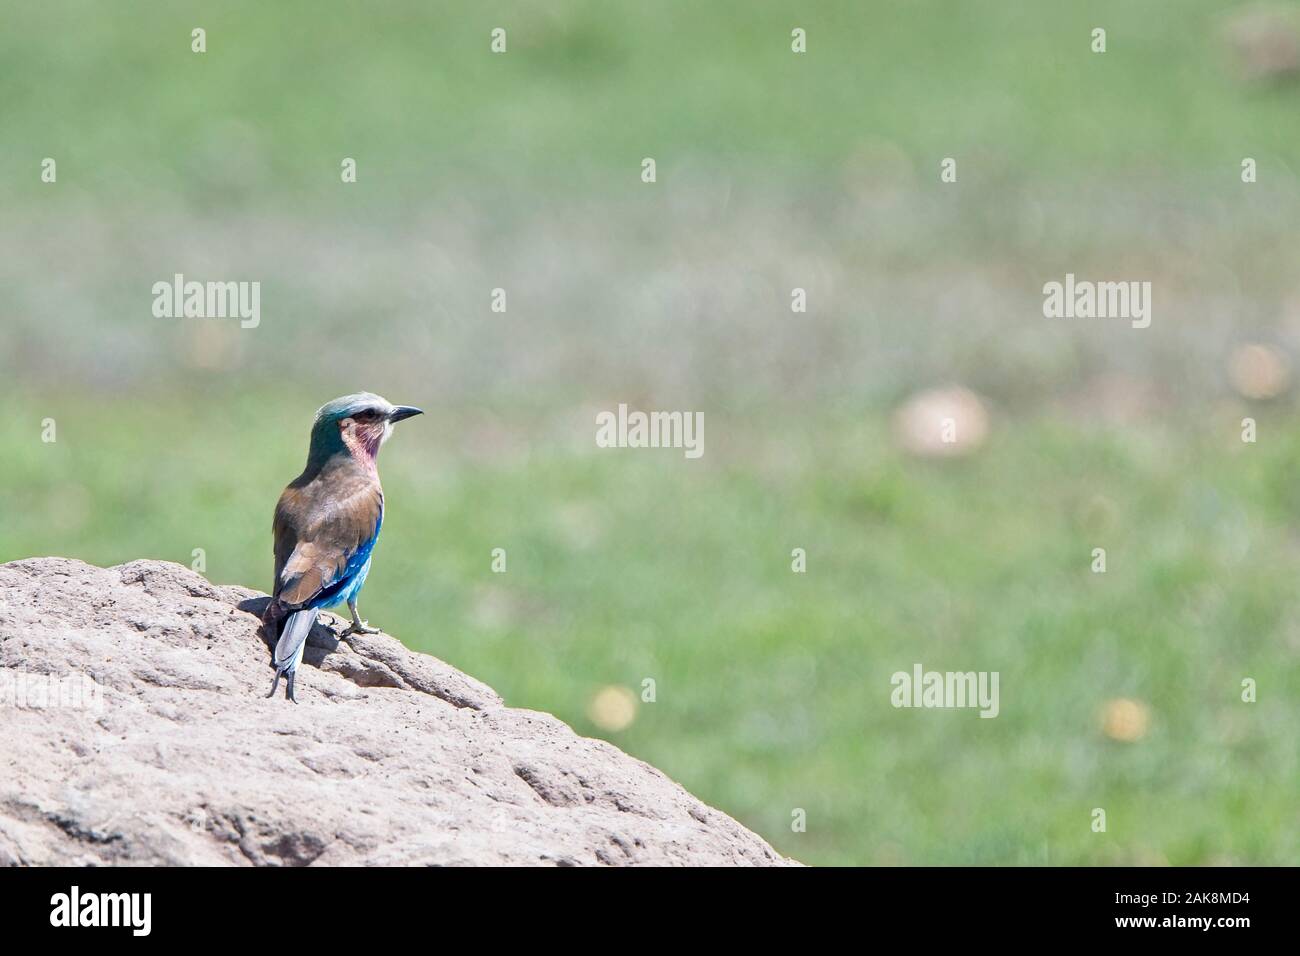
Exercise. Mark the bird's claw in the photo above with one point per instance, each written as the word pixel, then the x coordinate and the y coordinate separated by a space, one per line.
pixel 358 627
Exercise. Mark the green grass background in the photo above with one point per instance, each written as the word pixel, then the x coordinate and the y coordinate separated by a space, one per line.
pixel 775 170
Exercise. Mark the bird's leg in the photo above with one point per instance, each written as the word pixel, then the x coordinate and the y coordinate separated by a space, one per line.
pixel 357 626
pixel 288 690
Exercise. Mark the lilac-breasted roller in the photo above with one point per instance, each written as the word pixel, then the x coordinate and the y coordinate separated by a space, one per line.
pixel 327 522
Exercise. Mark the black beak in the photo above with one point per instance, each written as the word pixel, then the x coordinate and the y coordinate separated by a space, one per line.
pixel 404 411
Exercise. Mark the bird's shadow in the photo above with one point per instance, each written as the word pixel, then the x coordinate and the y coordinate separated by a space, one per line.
pixel 321 642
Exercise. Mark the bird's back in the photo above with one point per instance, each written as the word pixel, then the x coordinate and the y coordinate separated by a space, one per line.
pixel 325 526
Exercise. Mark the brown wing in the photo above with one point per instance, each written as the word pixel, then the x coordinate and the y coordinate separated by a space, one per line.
pixel 319 526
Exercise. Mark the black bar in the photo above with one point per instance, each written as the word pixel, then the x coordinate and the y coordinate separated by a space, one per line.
pixel 974 904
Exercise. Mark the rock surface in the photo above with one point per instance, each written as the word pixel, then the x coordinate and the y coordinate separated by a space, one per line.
pixel 173 756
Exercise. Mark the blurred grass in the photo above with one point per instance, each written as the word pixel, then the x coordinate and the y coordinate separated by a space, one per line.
pixel 588 88
pixel 773 687
pixel 775 170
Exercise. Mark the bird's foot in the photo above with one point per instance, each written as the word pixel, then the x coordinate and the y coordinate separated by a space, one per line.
pixel 358 627
pixel 288 691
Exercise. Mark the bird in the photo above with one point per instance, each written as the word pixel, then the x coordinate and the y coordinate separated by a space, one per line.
pixel 326 524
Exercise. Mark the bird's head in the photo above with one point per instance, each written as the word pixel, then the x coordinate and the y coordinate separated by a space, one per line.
pixel 357 424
